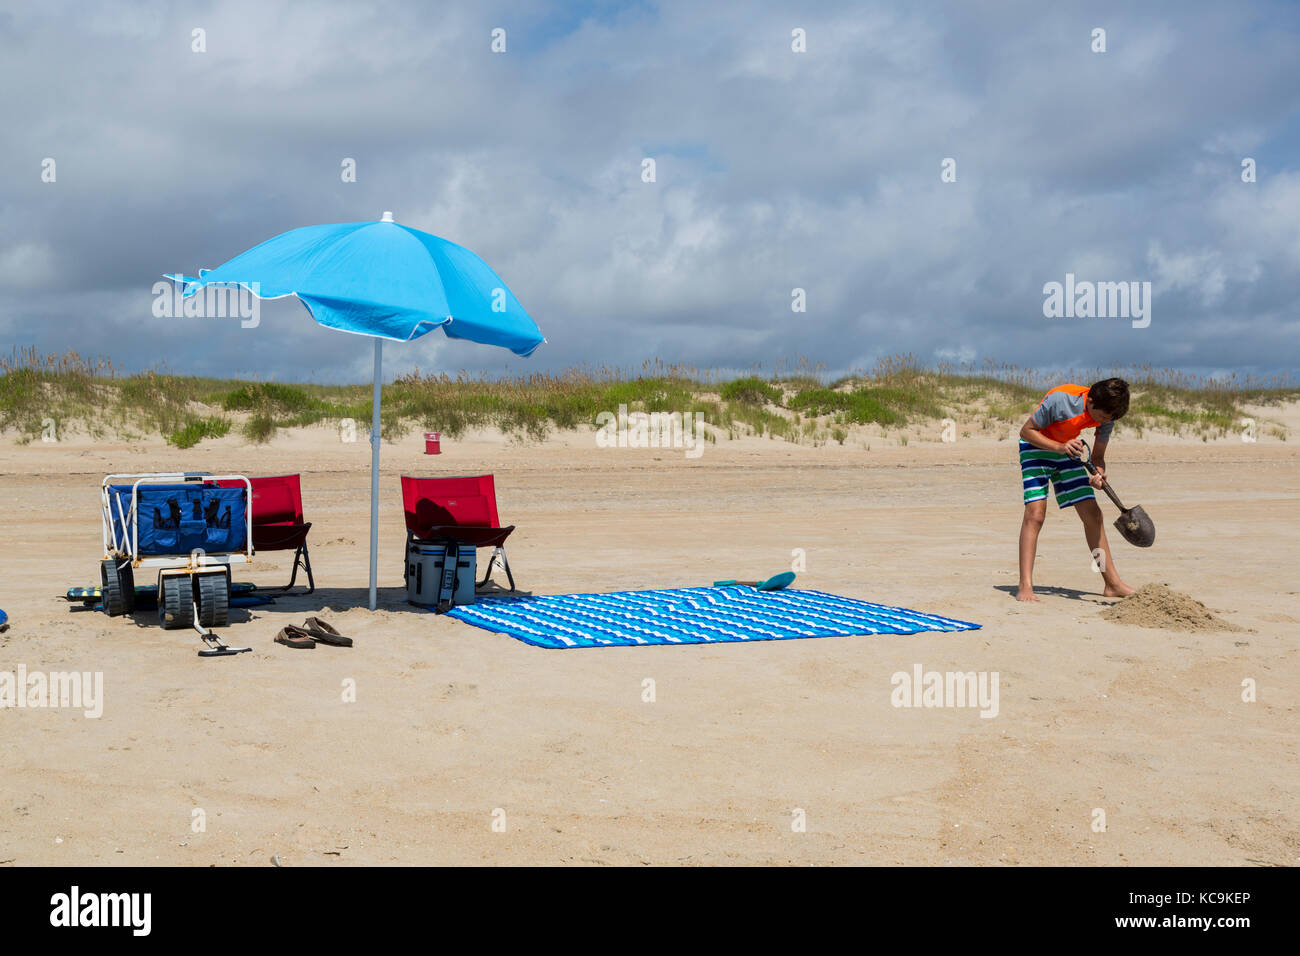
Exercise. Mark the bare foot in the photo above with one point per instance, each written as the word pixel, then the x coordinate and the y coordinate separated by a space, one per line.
pixel 1026 593
pixel 1119 590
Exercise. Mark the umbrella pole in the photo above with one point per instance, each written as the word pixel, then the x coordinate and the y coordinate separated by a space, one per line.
pixel 374 473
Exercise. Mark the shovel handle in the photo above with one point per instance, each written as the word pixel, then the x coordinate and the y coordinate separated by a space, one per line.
pixel 1105 485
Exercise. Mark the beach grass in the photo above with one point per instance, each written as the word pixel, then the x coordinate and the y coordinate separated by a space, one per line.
pixel 197 430
pixel 795 403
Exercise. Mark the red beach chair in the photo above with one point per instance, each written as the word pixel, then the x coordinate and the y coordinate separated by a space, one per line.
pixel 278 523
pixel 461 509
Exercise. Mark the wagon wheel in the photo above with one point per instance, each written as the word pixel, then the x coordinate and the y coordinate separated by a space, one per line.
pixel 126 575
pixel 175 601
pixel 214 600
pixel 117 587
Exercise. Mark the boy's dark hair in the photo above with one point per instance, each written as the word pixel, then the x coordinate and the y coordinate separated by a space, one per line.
pixel 1110 395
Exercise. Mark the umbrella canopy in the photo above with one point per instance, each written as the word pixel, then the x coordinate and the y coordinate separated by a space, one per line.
pixel 384 280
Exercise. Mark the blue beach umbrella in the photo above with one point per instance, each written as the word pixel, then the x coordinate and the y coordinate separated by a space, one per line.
pixel 387 281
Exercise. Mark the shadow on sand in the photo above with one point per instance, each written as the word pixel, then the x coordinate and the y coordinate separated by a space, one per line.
pixel 339 600
pixel 1074 595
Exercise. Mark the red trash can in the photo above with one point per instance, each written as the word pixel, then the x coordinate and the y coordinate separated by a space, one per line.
pixel 431 440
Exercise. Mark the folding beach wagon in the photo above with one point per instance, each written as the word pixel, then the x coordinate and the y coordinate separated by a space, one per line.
pixel 186 525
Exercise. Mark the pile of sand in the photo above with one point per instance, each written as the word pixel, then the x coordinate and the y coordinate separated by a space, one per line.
pixel 1156 605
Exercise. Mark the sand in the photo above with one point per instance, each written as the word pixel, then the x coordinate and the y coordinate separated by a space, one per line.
pixel 234 761
pixel 1158 605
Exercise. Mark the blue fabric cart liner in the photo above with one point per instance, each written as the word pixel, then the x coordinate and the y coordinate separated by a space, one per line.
pixel 700 615
pixel 179 518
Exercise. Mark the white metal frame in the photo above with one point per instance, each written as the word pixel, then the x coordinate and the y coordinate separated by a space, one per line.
pixel 130 546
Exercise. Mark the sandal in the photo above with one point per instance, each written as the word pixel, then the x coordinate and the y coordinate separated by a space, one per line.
pixel 325 633
pixel 293 636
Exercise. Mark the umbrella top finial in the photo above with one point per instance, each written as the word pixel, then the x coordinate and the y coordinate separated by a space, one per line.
pixel 388 216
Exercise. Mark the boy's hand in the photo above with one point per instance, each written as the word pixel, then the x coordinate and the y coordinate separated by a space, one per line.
pixel 1073 448
pixel 1099 478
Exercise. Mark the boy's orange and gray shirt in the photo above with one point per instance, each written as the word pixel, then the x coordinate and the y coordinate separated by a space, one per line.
pixel 1063 414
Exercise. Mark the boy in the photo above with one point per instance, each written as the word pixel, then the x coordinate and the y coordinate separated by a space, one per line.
pixel 1050 448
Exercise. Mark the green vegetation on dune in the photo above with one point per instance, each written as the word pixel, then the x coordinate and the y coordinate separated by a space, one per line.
pixel 751 391
pixel 197 430
pixel 859 406
pixel 272 406
pixel 798 406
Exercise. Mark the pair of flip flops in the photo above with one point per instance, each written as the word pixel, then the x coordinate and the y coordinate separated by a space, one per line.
pixel 314 631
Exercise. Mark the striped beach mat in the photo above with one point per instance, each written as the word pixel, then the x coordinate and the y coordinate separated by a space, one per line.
pixel 702 615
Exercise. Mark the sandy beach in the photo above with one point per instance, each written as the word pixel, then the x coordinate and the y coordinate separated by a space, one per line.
pixel 453 726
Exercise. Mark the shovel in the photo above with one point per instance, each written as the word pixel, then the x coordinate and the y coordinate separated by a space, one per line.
pixel 776 582
pixel 1133 523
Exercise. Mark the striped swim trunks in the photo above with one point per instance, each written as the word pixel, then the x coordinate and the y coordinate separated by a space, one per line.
pixel 1069 478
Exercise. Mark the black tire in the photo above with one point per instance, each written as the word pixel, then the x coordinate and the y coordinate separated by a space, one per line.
pixel 117 588
pixel 214 600
pixel 175 601
pixel 126 574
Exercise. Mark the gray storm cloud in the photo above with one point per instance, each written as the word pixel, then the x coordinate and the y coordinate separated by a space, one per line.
pixel 775 170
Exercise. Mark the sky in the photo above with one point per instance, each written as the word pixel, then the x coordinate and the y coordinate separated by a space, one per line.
pixel 776 169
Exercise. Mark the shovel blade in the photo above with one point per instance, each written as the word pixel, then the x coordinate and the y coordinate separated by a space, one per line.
pixel 1137 527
